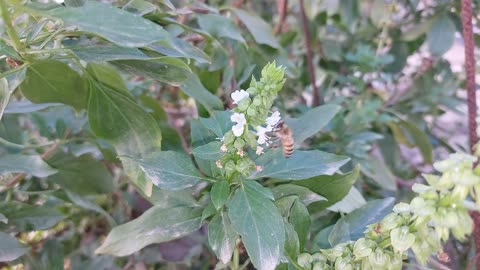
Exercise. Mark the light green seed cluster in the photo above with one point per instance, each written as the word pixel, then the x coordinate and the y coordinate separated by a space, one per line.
pixel 422 226
pixel 254 107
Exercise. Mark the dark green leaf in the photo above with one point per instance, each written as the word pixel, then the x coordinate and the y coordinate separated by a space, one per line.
pixel 180 48
pixel 219 193
pixel 334 187
pixel 8 85
pixel 26 106
pixel 107 75
pixel 222 237
pixel 194 88
pixel 82 175
pixel 43 84
pixel 30 164
pixel 376 169
pixel 421 140
pixel 107 53
pixel 89 205
pixel 165 69
pixel 4 95
pixel 156 225
pixel 312 122
pixel 52 255
pixel 116 25
pixel 306 195
pixel 139 7
pixel 260 30
pixel 219 122
pixel 301 165
pixel 256 218
pixel 219 26
pixel 210 151
pixel 7 50
pixel 117 118
pixel 24 217
pixel 170 170
pixel 352 226
pixel 3 218
pixel 441 35
pixel 300 219
pixel 291 242
pixel 10 248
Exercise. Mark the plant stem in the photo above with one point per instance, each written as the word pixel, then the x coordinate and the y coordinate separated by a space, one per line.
pixel 311 70
pixel 235 263
pixel 9 27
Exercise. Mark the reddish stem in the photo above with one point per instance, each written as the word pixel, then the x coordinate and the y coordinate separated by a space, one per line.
pixel 471 102
pixel 311 70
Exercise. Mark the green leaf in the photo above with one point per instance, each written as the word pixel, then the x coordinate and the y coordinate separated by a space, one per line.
pixel 441 35
pixel 4 95
pixel 210 151
pixel 170 170
pixel 219 122
pixel 156 225
pixel 421 140
pixel 25 106
pixel 118 26
pixel 333 187
pixel 3 218
pixel 219 193
pixel 300 219
pixel 350 202
pixel 256 218
pixel 312 121
pixel 53 255
pixel 301 165
pixel 115 117
pixel 139 7
pixel 305 195
pixel 180 48
pixel 107 75
pixel 376 169
pixel 7 50
pixel 261 31
pixel 10 248
pixel 89 205
pixel 24 217
pixel 292 248
pixel 194 88
pixel 222 237
pixel 165 69
pixel 219 26
pixel 352 226
pixel 107 53
pixel 82 175
pixel 30 164
pixel 43 84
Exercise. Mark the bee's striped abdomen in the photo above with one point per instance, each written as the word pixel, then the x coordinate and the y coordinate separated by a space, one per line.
pixel 288 146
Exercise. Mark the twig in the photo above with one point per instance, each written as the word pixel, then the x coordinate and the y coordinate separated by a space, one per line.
pixel 471 102
pixel 282 12
pixel 472 261
pixel 438 265
pixel 316 96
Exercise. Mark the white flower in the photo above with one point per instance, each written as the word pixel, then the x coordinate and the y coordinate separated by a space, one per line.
pixel 238 118
pixel 239 95
pixel 262 138
pixel 273 119
pixel 259 150
pixel 238 129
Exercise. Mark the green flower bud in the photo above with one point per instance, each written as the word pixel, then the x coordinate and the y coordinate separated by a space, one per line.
pixel 389 222
pixel 431 179
pixel 244 166
pixel 464 227
pixel 362 248
pixel 379 259
pixel 252 90
pixel 401 208
pixel 305 260
pixel 460 193
pixel 229 167
pixel 421 207
pixel 243 104
pixel 228 138
pixel 422 251
pixel 251 111
pixel 257 101
pixel 338 250
pixel 320 266
pixel 343 264
pixel 420 188
pixel 251 139
pixel 239 143
pixel 396 262
pixel 401 239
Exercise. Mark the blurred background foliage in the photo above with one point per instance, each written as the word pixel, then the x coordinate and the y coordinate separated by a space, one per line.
pixel 393 66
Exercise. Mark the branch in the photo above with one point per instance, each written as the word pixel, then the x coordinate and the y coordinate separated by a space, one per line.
pixel 316 97
pixel 282 12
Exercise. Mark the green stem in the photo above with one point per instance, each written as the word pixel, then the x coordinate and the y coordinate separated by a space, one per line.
pixel 245 264
pixel 234 264
pixel 9 27
pixel 11 71
pixel 23 147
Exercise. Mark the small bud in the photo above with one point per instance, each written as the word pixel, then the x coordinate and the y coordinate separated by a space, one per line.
pixel 223 148
pixel 239 143
pixel 343 264
pixel 243 104
pixel 305 260
pixel 258 168
pixel 401 208
pixel 389 222
pixel 361 248
pixel 240 152
pixel 379 259
pixel 401 239
pixel 230 167
pixel 219 164
pixel 259 150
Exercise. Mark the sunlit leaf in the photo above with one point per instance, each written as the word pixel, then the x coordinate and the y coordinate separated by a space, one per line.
pixel 222 237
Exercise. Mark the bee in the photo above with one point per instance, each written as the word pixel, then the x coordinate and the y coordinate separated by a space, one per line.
pixel 282 135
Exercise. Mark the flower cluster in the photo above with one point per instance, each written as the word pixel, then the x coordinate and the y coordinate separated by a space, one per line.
pixel 248 117
pixel 422 225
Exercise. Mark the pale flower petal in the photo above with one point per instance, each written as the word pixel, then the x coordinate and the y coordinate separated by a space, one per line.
pixel 261 134
pixel 238 118
pixel 238 129
pixel 273 119
pixel 239 95
pixel 259 150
